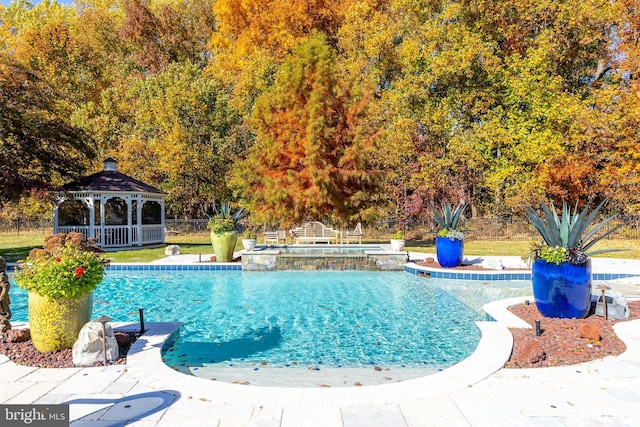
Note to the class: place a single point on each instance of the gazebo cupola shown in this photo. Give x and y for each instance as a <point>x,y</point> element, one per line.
<point>115,209</point>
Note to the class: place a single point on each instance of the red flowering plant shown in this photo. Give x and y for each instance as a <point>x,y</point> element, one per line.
<point>68,266</point>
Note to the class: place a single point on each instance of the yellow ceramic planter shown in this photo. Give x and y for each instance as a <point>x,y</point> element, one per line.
<point>223,245</point>
<point>55,323</point>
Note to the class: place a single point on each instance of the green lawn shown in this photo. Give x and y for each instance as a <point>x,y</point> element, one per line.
<point>476,247</point>
<point>189,244</point>
<point>630,248</point>
<point>14,248</point>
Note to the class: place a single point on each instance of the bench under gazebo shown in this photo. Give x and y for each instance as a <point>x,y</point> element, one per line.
<point>115,209</point>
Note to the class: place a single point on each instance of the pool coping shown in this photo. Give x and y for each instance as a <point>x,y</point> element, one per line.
<point>145,365</point>
<point>371,249</point>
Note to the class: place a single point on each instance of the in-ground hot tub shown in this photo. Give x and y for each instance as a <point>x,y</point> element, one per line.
<point>325,257</point>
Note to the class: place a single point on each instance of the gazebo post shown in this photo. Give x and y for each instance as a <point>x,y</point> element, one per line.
<point>139,218</point>
<point>162,218</point>
<point>55,218</point>
<point>129,201</point>
<point>103,204</point>
<point>92,217</point>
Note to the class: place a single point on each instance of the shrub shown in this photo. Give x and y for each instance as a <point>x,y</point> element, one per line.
<point>68,266</point>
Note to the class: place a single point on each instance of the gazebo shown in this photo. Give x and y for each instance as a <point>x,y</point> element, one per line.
<point>115,209</point>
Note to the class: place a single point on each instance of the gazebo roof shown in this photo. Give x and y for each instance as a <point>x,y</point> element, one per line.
<point>110,180</point>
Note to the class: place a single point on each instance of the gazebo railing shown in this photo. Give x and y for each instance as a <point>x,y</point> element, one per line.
<point>117,236</point>
<point>111,236</point>
<point>152,233</point>
<point>82,229</point>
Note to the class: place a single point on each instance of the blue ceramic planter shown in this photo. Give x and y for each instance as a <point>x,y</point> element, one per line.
<point>562,290</point>
<point>449,252</point>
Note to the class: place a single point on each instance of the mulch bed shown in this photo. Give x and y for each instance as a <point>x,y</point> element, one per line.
<point>560,338</point>
<point>24,353</point>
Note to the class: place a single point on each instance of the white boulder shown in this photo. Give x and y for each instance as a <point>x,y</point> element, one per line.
<point>492,264</point>
<point>88,348</point>
<point>172,250</point>
<point>617,307</point>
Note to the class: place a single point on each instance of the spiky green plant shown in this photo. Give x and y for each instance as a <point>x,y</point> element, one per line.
<point>224,221</point>
<point>569,231</point>
<point>448,221</point>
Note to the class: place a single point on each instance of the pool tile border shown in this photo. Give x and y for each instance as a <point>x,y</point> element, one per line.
<point>163,267</point>
<point>410,267</point>
<point>175,267</point>
<point>494,275</point>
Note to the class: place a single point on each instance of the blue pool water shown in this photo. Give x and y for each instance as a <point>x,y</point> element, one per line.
<point>331,250</point>
<point>322,250</point>
<point>340,319</point>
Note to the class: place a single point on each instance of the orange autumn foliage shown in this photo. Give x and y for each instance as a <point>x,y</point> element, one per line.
<point>309,160</point>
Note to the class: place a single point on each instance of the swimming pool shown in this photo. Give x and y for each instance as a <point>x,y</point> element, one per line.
<point>303,319</point>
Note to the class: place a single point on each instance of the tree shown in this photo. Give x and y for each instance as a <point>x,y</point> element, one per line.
<point>498,89</point>
<point>274,25</point>
<point>310,156</point>
<point>181,135</point>
<point>38,148</point>
<point>161,33</point>
<point>622,127</point>
<point>253,36</point>
<point>498,102</point>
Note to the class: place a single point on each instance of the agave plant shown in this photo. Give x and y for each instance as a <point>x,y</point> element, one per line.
<point>224,221</point>
<point>448,221</point>
<point>569,231</point>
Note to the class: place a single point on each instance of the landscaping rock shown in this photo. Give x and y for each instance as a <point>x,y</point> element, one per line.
<point>589,331</point>
<point>87,350</point>
<point>617,307</point>
<point>531,353</point>
<point>172,250</point>
<point>19,335</point>
<point>492,264</point>
<point>122,339</point>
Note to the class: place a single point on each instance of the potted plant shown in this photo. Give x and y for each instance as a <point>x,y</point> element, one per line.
<point>249,241</point>
<point>449,240</point>
<point>225,228</point>
<point>398,241</point>
<point>561,268</point>
<point>60,280</point>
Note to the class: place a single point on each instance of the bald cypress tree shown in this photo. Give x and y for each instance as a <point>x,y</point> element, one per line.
<point>310,155</point>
